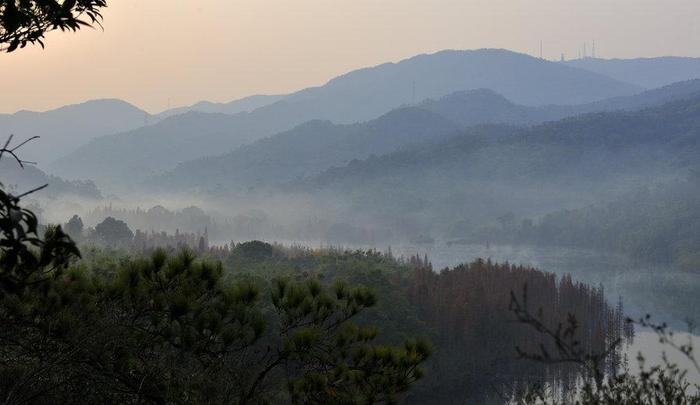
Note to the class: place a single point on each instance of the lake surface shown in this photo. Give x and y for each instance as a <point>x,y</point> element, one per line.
<point>653,351</point>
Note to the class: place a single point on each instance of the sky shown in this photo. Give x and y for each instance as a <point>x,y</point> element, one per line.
<point>160,53</point>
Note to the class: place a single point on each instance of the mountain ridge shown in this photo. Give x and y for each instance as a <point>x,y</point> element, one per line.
<point>65,128</point>
<point>645,72</point>
<point>317,143</point>
<point>346,101</point>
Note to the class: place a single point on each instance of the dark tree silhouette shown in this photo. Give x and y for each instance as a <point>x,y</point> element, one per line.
<point>468,307</point>
<point>24,257</point>
<point>114,232</point>
<point>172,330</point>
<point>74,227</point>
<point>24,22</point>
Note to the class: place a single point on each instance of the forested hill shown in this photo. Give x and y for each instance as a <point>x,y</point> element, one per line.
<point>245,104</point>
<point>655,223</point>
<point>646,72</point>
<point>310,148</point>
<point>596,144</point>
<point>680,90</point>
<point>361,95</point>
<point>129,156</point>
<point>486,172</point>
<point>64,129</point>
<point>366,93</point>
<point>24,179</point>
<point>307,150</point>
<point>483,106</point>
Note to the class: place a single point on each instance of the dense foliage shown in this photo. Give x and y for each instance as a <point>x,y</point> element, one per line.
<point>27,21</point>
<point>170,330</point>
<point>142,318</point>
<point>468,307</point>
<point>658,224</point>
<point>25,258</point>
<point>463,311</point>
<point>270,323</point>
<point>173,329</point>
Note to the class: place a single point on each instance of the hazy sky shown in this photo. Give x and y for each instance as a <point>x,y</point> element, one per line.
<point>154,50</point>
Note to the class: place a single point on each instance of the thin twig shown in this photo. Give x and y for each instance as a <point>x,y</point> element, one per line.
<point>34,190</point>
<point>22,144</point>
<point>11,151</point>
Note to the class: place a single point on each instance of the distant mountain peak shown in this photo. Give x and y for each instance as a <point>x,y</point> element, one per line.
<point>88,104</point>
<point>241,105</point>
<point>358,96</point>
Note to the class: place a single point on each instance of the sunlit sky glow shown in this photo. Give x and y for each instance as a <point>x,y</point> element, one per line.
<point>152,51</point>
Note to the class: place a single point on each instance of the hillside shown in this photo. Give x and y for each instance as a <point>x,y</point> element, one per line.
<point>554,148</point>
<point>21,180</point>
<point>668,93</point>
<point>357,96</point>
<point>658,224</point>
<point>644,72</point>
<point>245,104</point>
<point>366,93</point>
<point>64,129</point>
<point>318,145</point>
<point>129,156</point>
<point>307,150</point>
<point>481,175</point>
<point>379,89</point>
<point>486,106</point>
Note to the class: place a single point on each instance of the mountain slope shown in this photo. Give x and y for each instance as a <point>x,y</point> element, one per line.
<point>306,150</point>
<point>318,145</point>
<point>669,93</point>
<point>489,172</point>
<point>129,156</point>
<point>658,223</point>
<point>366,93</point>
<point>663,137</point>
<point>245,104</point>
<point>357,96</point>
<point>644,72</point>
<point>483,106</point>
<point>64,129</point>
<point>20,180</point>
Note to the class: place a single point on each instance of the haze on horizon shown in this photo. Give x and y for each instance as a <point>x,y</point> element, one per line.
<point>163,51</point>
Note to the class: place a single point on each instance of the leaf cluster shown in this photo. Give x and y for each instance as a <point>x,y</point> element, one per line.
<point>24,22</point>
<point>25,257</point>
<point>171,329</point>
